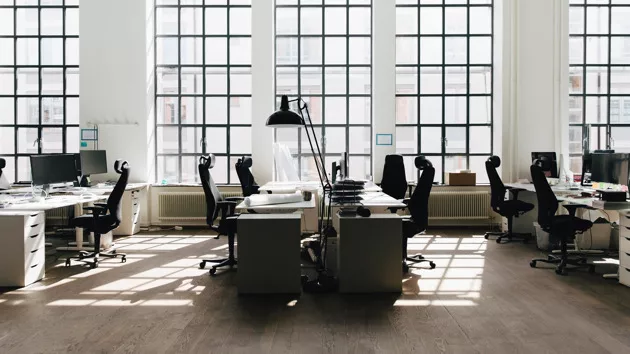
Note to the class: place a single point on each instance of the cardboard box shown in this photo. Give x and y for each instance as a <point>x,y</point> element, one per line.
<point>461,179</point>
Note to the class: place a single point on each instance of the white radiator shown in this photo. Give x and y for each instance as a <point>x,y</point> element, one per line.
<point>459,208</point>
<point>183,208</point>
<point>59,216</point>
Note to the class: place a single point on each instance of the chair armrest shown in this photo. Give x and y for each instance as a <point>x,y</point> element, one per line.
<point>233,199</point>
<point>102,205</point>
<point>96,210</point>
<point>227,207</point>
<point>514,191</point>
<point>572,208</point>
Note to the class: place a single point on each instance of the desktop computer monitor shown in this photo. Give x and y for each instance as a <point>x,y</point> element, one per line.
<point>610,168</point>
<point>49,169</point>
<point>343,165</point>
<point>550,156</point>
<point>92,162</point>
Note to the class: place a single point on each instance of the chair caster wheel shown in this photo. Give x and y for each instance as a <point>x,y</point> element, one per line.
<point>68,263</point>
<point>94,265</point>
<point>213,271</point>
<point>486,236</point>
<point>532,264</point>
<point>217,237</point>
<point>123,259</point>
<point>561,271</point>
<point>499,240</point>
<point>432,265</point>
<point>202,265</point>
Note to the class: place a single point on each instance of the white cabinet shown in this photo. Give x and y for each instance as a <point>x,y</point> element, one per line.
<point>624,247</point>
<point>22,251</point>
<point>130,224</point>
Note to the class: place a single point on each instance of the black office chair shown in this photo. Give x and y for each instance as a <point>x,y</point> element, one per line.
<point>561,228</point>
<point>248,184</point>
<point>104,217</point>
<point>418,206</point>
<point>215,203</point>
<point>394,182</point>
<point>508,208</point>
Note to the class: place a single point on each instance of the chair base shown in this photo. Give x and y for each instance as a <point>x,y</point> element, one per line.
<point>563,262</point>
<point>508,237</point>
<point>92,258</point>
<point>223,262</point>
<point>418,258</point>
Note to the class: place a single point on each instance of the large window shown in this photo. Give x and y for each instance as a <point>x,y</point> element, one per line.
<point>324,55</point>
<point>599,82</point>
<point>444,84</point>
<point>203,87</point>
<point>39,81</point>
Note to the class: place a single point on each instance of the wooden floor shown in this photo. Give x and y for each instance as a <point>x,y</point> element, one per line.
<point>481,298</point>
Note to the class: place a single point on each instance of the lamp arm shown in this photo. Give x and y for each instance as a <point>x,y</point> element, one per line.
<point>321,170</point>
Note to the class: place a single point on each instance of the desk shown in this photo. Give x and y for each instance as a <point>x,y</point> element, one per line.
<point>278,208</point>
<point>291,187</point>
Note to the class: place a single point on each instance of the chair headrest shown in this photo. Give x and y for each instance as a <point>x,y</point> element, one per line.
<point>121,165</point>
<point>495,160</point>
<point>422,162</point>
<point>246,162</point>
<point>393,159</point>
<point>543,162</point>
<point>208,161</point>
<point>3,163</point>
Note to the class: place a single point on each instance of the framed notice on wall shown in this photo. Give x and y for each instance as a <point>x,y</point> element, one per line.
<point>384,139</point>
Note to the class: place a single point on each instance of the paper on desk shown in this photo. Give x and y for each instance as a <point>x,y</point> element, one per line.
<point>271,199</point>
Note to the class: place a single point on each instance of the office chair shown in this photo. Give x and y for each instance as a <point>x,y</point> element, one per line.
<point>561,228</point>
<point>215,203</point>
<point>104,217</point>
<point>508,208</point>
<point>418,206</point>
<point>4,182</point>
<point>394,182</point>
<point>248,184</point>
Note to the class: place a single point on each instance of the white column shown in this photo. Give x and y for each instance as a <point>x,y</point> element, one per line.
<point>540,76</point>
<point>263,88</point>
<point>114,86</point>
<point>383,81</point>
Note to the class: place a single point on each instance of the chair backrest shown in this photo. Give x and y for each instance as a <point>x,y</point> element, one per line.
<point>3,164</point>
<point>497,189</point>
<point>394,182</point>
<point>419,202</point>
<point>210,190</point>
<point>114,200</point>
<point>547,202</point>
<point>248,184</point>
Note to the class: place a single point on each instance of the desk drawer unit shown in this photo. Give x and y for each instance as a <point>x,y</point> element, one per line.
<point>131,214</point>
<point>23,253</point>
<point>624,247</point>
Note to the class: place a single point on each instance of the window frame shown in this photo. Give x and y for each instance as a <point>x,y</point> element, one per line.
<point>304,152</point>
<point>443,155</point>
<point>179,96</point>
<point>41,97</point>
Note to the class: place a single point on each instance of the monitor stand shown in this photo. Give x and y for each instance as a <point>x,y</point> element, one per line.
<point>86,181</point>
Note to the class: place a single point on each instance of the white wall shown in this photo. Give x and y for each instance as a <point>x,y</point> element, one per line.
<point>114,86</point>
<point>540,96</point>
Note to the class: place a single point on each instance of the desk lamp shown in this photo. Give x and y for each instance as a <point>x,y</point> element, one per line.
<point>285,118</point>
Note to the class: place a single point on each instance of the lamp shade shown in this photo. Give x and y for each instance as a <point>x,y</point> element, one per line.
<point>285,118</point>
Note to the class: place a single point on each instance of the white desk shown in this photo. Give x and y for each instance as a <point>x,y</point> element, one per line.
<point>278,208</point>
<point>291,187</point>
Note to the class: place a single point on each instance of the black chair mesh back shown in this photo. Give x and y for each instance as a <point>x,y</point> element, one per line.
<point>419,202</point>
<point>497,189</point>
<point>547,202</point>
<point>245,176</point>
<point>114,200</point>
<point>209,188</point>
<point>394,182</point>
<point>3,164</point>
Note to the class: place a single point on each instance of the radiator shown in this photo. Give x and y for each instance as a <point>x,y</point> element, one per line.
<point>189,208</point>
<point>59,216</point>
<point>459,207</point>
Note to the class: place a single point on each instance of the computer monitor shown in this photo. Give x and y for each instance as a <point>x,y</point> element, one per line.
<point>610,168</point>
<point>587,162</point>
<point>550,156</point>
<point>49,169</point>
<point>92,162</point>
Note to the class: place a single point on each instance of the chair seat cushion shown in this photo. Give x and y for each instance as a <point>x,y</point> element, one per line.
<point>104,224</point>
<point>566,226</point>
<point>514,207</point>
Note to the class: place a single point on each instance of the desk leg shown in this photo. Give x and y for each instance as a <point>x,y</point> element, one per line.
<point>78,232</point>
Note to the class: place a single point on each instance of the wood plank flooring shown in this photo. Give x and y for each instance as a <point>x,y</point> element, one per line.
<point>481,298</point>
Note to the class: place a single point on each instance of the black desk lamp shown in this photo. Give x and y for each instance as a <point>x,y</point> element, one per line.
<point>285,118</point>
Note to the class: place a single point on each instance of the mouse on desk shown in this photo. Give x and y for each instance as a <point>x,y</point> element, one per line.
<point>586,194</point>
